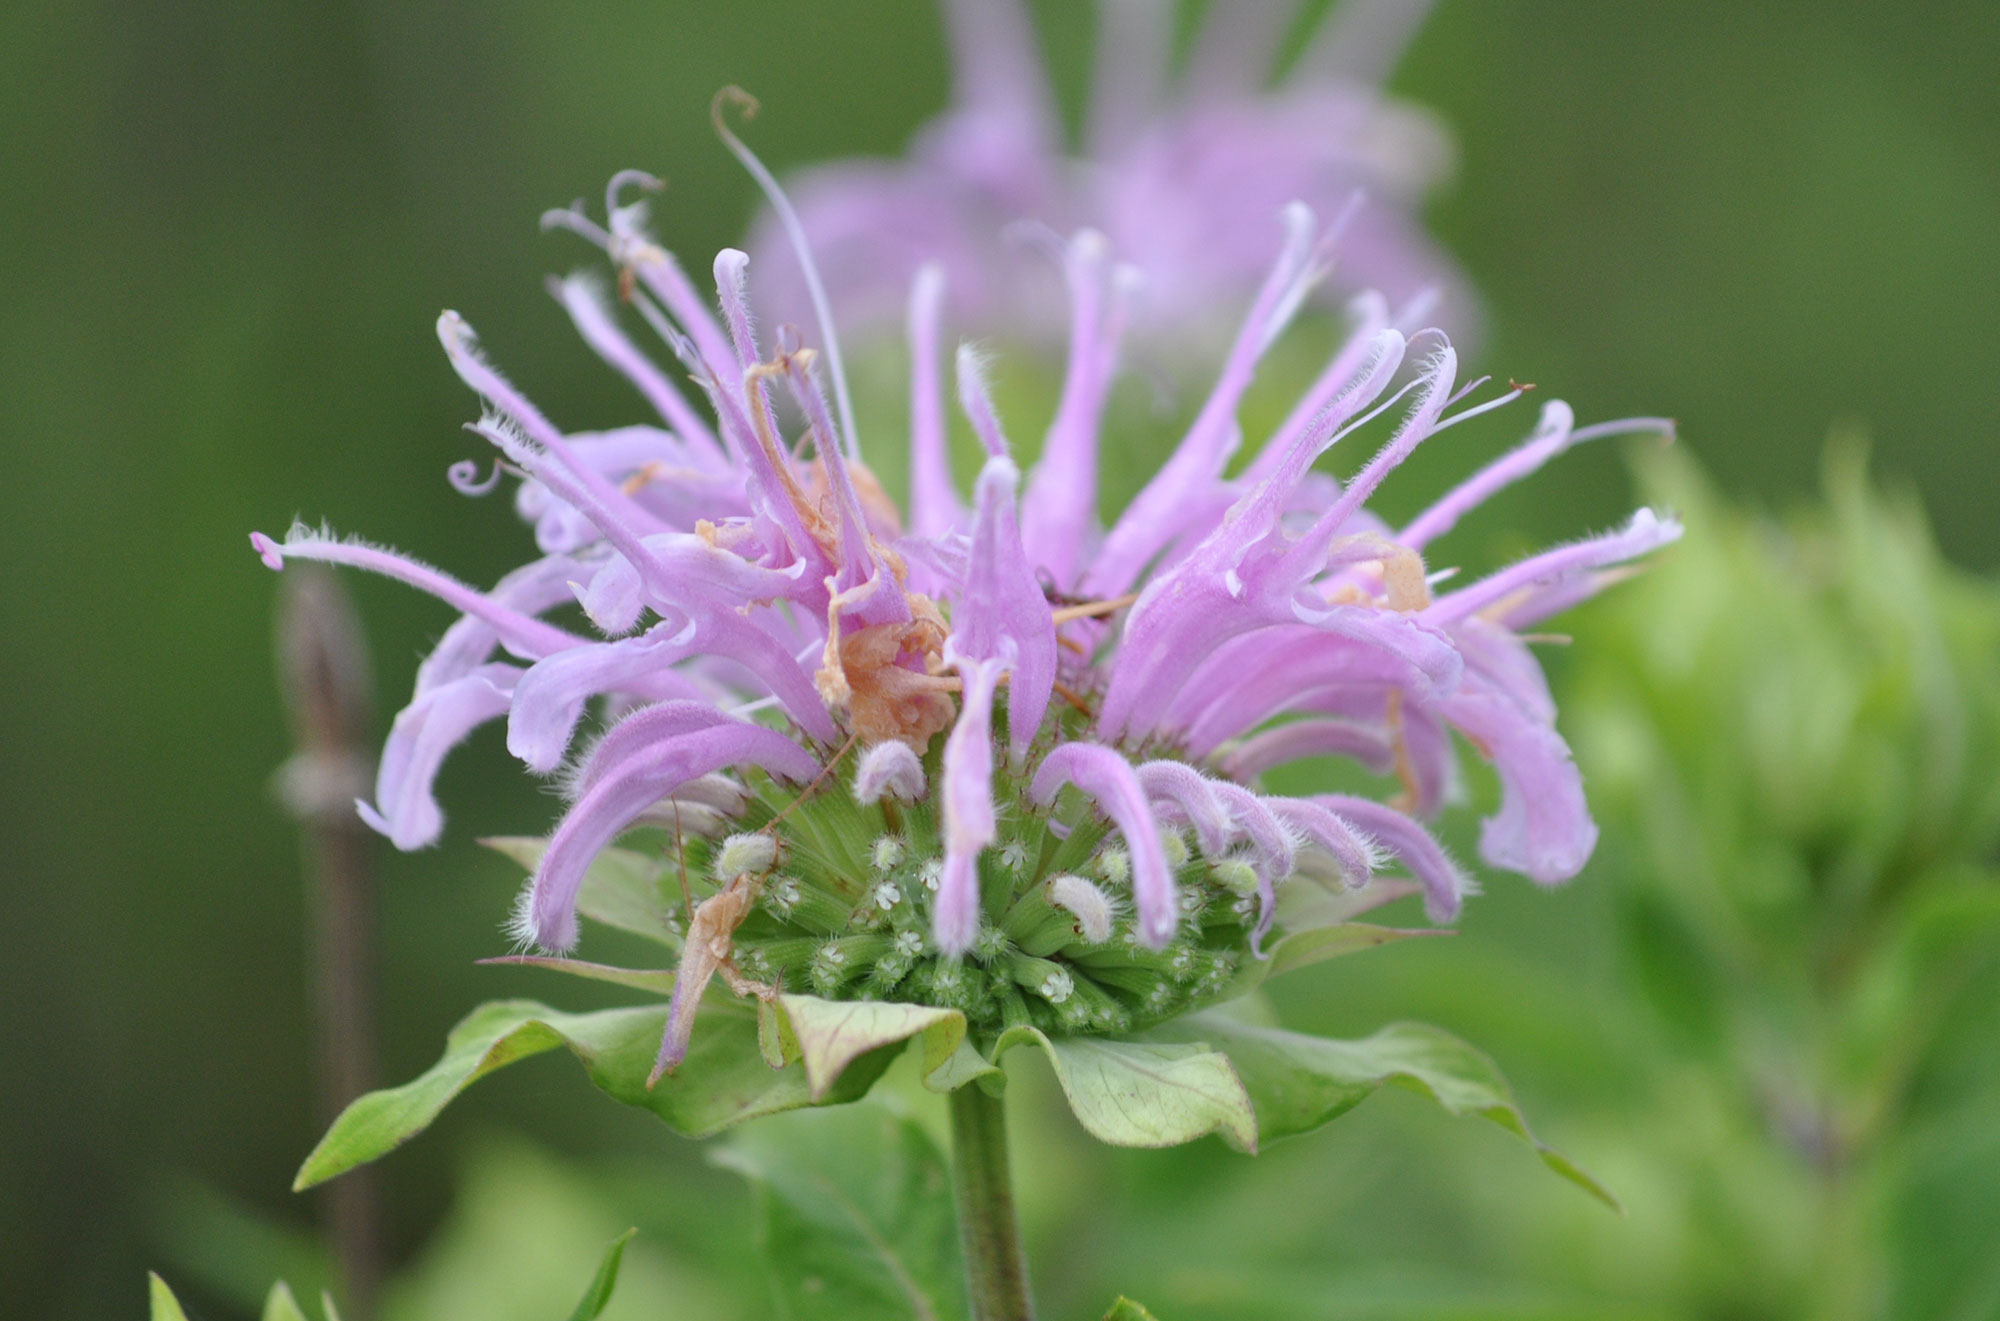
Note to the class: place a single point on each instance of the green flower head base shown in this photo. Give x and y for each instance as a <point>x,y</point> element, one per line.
<point>835,891</point>
<point>991,756</point>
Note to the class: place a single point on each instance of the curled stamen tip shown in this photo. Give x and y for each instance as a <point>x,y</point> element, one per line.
<point>464,478</point>
<point>728,96</point>
<point>267,550</point>
<point>562,217</point>
<point>643,180</point>
<point>1521,386</point>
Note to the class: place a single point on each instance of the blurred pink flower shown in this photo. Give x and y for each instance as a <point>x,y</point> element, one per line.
<point>1183,174</point>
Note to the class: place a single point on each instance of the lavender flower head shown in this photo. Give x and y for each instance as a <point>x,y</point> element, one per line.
<point>986,753</point>
<point>1182,172</point>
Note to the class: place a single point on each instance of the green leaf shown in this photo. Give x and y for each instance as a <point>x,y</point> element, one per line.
<point>1145,1093</point>
<point>598,1295</point>
<point>723,1081</point>
<point>965,1065</point>
<point>1127,1310</point>
<point>1300,949</point>
<point>621,888</point>
<point>855,1214</point>
<point>1316,944</point>
<point>659,981</point>
<point>1298,1083</point>
<point>831,1034</point>
<point>280,1305</point>
<point>165,1307</point>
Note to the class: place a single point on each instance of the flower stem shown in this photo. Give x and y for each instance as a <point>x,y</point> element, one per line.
<point>324,664</point>
<point>987,1225</point>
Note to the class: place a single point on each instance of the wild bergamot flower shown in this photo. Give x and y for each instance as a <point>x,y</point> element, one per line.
<point>987,755</point>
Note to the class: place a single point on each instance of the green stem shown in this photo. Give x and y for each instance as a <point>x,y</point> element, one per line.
<point>987,1225</point>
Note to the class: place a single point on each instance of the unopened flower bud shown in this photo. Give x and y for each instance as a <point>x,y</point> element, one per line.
<point>746,855</point>
<point>1236,876</point>
<point>889,770</point>
<point>1089,905</point>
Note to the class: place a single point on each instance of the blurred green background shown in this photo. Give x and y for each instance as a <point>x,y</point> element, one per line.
<point>225,230</point>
